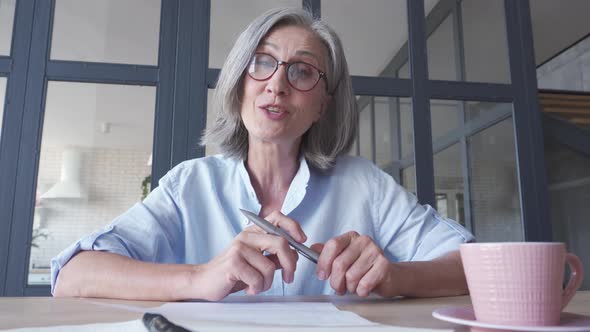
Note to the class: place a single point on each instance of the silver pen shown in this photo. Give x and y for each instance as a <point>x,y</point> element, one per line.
<point>272,229</point>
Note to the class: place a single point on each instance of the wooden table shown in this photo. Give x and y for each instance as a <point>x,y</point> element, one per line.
<point>47,311</point>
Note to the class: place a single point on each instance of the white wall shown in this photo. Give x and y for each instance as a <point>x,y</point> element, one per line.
<point>568,71</point>
<point>113,178</point>
<point>6,23</point>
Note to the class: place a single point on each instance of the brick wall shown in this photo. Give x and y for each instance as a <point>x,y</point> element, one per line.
<point>113,179</point>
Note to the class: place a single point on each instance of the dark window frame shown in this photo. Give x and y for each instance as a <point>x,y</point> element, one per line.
<point>178,103</point>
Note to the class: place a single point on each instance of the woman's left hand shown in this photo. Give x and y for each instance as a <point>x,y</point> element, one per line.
<point>355,263</point>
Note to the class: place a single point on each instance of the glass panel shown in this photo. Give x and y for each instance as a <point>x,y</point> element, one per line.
<point>406,137</point>
<point>355,149</point>
<point>229,18</point>
<point>106,31</point>
<point>95,150</point>
<point>386,136</point>
<point>210,150</point>
<point>373,33</point>
<point>406,121</point>
<point>448,183</point>
<point>481,20</point>
<point>366,121</point>
<point>6,23</point>
<point>409,179</point>
<point>568,179</point>
<point>446,118</point>
<point>404,71</point>
<point>441,46</point>
<point>495,197</point>
<point>492,179</point>
<point>485,41</point>
<point>2,100</point>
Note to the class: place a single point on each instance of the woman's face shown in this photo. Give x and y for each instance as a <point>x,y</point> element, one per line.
<point>272,110</point>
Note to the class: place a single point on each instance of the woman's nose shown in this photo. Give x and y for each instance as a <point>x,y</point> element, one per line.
<point>278,83</point>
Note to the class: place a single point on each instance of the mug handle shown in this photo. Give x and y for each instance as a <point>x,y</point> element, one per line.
<point>575,280</point>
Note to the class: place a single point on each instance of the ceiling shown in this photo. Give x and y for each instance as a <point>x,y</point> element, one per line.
<point>557,25</point>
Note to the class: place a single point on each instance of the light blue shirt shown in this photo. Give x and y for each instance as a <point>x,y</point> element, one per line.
<point>194,214</point>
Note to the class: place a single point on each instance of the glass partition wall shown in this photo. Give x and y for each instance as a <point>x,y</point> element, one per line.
<point>114,103</point>
<point>563,77</point>
<point>95,145</point>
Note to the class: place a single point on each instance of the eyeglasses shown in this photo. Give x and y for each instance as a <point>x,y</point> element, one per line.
<point>300,75</point>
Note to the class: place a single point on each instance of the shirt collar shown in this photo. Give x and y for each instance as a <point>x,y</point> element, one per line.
<point>297,189</point>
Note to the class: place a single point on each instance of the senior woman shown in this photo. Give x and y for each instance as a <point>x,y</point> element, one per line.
<point>286,117</point>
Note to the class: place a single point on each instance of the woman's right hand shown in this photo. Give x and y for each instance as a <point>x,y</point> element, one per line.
<point>243,264</point>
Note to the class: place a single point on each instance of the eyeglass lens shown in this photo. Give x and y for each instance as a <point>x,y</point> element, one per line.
<point>300,75</point>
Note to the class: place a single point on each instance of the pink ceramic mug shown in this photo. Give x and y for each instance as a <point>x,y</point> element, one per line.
<point>520,283</point>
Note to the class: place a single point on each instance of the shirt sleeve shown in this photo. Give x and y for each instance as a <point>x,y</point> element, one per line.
<point>150,231</point>
<point>410,231</point>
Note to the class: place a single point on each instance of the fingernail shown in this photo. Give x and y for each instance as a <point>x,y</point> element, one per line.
<point>322,275</point>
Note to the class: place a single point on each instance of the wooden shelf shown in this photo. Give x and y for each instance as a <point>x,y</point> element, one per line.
<point>574,108</point>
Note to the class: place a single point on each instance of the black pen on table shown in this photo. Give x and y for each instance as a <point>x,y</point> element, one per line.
<point>159,323</point>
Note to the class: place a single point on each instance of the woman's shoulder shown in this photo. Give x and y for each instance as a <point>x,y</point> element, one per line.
<point>212,161</point>
<point>362,169</point>
<point>214,165</point>
<point>347,163</point>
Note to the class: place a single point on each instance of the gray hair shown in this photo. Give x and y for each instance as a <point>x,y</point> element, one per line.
<point>332,135</point>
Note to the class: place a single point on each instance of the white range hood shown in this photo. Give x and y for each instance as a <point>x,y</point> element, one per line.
<point>70,185</point>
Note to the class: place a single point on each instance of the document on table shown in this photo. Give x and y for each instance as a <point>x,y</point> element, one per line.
<point>137,326</point>
<point>258,314</point>
<point>270,316</point>
<point>243,317</point>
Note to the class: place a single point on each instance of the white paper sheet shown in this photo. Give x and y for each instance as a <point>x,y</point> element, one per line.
<point>137,326</point>
<point>241,317</point>
<point>312,314</point>
<point>129,326</point>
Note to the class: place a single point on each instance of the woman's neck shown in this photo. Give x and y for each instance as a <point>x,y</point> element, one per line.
<point>271,169</point>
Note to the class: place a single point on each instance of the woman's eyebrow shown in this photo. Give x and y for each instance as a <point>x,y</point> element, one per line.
<point>267,43</point>
<point>300,52</point>
<point>308,53</point>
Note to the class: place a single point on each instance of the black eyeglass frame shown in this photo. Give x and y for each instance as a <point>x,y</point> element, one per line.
<point>287,66</point>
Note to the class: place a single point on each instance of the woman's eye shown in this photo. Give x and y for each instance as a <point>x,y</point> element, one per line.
<point>302,72</point>
<point>265,63</point>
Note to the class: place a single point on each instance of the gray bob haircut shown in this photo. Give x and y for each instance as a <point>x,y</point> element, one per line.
<point>332,135</point>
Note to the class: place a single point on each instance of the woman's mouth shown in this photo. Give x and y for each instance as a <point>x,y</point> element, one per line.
<point>274,112</point>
